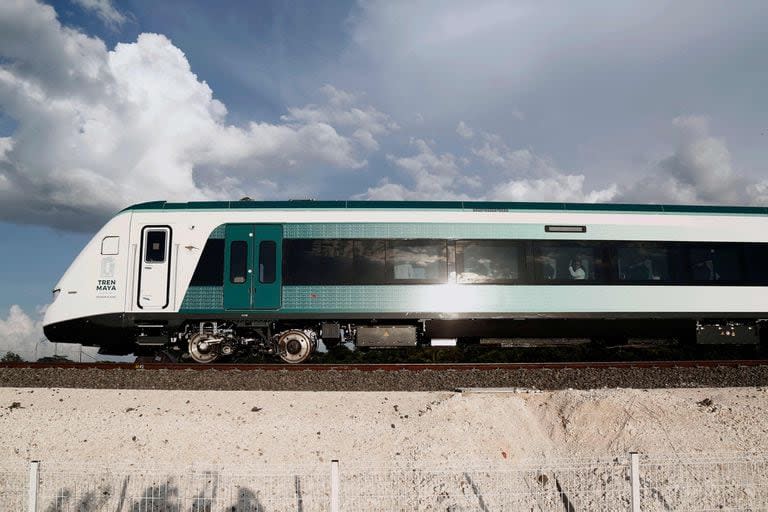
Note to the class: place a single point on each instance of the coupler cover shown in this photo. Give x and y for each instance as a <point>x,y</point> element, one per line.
<point>387,336</point>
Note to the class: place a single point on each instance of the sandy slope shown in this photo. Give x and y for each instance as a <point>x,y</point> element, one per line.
<point>376,428</point>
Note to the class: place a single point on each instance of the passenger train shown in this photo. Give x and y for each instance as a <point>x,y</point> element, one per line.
<point>206,280</point>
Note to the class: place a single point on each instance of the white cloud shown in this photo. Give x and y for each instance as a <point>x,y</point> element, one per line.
<point>527,176</point>
<point>341,111</point>
<point>561,188</point>
<point>464,131</point>
<point>758,193</point>
<point>100,129</point>
<point>700,170</point>
<point>104,10</point>
<point>524,177</point>
<point>702,161</point>
<point>432,176</point>
<point>19,333</point>
<point>22,334</point>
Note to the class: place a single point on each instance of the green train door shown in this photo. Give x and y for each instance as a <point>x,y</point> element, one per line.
<point>252,266</point>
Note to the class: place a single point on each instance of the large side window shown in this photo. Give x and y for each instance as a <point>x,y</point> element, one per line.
<point>210,267</point>
<point>370,261</point>
<point>488,261</point>
<point>238,262</point>
<point>715,263</point>
<point>155,250</point>
<point>297,262</point>
<point>756,259</point>
<point>568,262</point>
<point>318,261</point>
<point>424,261</point>
<point>646,262</point>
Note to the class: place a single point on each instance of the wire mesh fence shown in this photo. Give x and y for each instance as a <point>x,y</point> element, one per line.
<point>704,482</point>
<point>65,488</point>
<point>681,482</point>
<point>13,488</point>
<point>587,485</point>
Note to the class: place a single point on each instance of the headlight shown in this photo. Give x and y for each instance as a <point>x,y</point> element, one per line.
<point>56,293</point>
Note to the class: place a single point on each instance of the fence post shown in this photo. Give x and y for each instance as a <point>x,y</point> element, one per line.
<point>34,479</point>
<point>335,486</point>
<point>634,475</point>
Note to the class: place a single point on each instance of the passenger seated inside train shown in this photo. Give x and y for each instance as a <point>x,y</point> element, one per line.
<point>576,271</point>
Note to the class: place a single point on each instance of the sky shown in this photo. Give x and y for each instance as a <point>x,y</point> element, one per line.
<point>104,104</point>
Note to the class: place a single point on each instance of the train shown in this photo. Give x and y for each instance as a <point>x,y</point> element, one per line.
<point>203,281</point>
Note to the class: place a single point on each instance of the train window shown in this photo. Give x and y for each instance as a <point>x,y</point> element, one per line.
<point>370,259</point>
<point>318,261</point>
<point>643,263</point>
<point>297,261</point>
<point>756,258</point>
<point>238,262</point>
<point>110,245</point>
<point>210,268</point>
<point>715,263</point>
<point>488,261</point>
<point>154,252</point>
<point>417,261</point>
<point>567,262</point>
<point>267,259</point>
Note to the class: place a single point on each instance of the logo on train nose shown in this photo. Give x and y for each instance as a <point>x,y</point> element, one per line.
<point>106,285</point>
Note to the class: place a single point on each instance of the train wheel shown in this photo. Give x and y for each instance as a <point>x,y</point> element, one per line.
<point>201,350</point>
<point>294,346</point>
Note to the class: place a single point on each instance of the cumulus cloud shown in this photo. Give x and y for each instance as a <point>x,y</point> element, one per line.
<point>104,10</point>
<point>464,131</point>
<point>500,174</point>
<point>567,188</point>
<point>758,192</point>
<point>99,129</point>
<point>431,176</point>
<point>700,170</point>
<point>19,333</point>
<point>341,111</point>
<point>22,334</point>
<point>527,176</point>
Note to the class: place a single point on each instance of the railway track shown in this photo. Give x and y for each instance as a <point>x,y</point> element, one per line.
<point>387,377</point>
<point>393,367</point>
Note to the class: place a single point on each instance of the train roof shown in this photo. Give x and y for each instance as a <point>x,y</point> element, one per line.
<point>478,206</point>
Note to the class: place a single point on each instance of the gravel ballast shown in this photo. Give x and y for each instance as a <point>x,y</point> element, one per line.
<point>380,380</point>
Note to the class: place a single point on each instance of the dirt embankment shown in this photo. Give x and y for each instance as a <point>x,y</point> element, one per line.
<point>85,426</point>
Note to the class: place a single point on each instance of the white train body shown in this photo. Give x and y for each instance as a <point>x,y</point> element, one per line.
<point>132,282</point>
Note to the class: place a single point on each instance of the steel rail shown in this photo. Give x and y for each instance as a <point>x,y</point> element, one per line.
<point>390,366</point>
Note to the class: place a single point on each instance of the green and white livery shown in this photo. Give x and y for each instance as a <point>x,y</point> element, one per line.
<point>211,279</point>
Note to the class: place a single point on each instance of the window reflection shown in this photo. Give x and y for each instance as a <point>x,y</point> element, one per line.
<point>643,264</point>
<point>370,262</point>
<point>565,263</point>
<point>488,261</point>
<point>417,260</point>
<point>715,264</point>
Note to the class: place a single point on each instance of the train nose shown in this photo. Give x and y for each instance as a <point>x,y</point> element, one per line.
<point>67,331</point>
<point>53,333</point>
